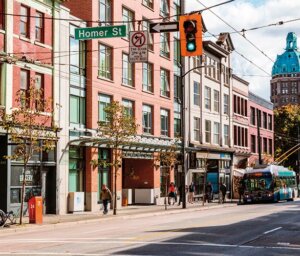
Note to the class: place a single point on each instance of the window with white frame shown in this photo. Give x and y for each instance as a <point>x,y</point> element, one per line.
<point>148,3</point>
<point>164,83</point>
<point>128,107</point>
<point>207,131</point>
<point>216,101</point>
<point>226,135</point>
<point>164,8</point>
<point>24,21</point>
<point>105,12</point>
<point>284,88</point>
<point>216,133</point>
<point>164,122</point>
<point>294,88</point>
<point>39,27</point>
<point>165,45</point>
<point>147,119</point>
<point>207,98</point>
<point>147,77</point>
<point>105,62</point>
<point>177,124</point>
<point>103,101</point>
<point>196,93</point>
<point>196,128</point>
<point>128,18</point>
<point>146,27</point>
<point>127,71</point>
<point>226,104</point>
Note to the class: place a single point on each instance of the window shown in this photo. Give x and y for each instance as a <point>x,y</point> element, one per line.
<point>265,145</point>
<point>177,125</point>
<point>148,3</point>
<point>105,62</point>
<point>294,88</point>
<point>128,107</point>
<point>77,109</point>
<point>24,21</point>
<point>207,131</point>
<point>103,101</point>
<point>2,17</point>
<point>235,135</point>
<point>253,143</point>
<point>105,12</point>
<point>258,113</point>
<point>164,122</point>
<point>270,147</point>
<point>177,88</point>
<point>148,77</point>
<point>177,55</point>
<point>127,73</point>
<point>216,133</point>
<point>196,128</point>
<point>207,98</point>
<point>165,45</point>
<point>196,93</point>
<point>39,27</point>
<point>146,27</point>
<point>39,85</point>
<point>24,86</point>
<point>147,119</point>
<point>164,8</point>
<point>284,88</point>
<point>128,18</point>
<point>252,115</point>
<point>265,120</point>
<point>216,101</point>
<point>164,83</point>
<point>294,100</point>
<point>177,9</point>
<point>226,134</point>
<point>226,106</point>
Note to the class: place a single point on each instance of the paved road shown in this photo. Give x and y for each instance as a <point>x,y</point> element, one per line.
<point>264,229</point>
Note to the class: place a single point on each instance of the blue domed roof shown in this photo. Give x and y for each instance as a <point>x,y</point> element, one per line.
<point>289,61</point>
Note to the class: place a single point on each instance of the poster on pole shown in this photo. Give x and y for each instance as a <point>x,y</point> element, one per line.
<point>138,46</point>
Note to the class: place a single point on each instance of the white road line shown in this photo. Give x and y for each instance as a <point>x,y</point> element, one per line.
<point>272,230</point>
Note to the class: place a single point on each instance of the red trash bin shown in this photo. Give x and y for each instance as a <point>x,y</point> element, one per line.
<point>35,206</point>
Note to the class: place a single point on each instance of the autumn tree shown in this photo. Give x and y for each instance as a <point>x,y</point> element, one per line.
<point>118,130</point>
<point>167,160</point>
<point>29,125</point>
<point>286,129</point>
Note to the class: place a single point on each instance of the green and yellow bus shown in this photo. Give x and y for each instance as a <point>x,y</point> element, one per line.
<point>270,184</point>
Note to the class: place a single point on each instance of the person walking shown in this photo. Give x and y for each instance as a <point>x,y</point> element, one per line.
<point>180,191</point>
<point>241,190</point>
<point>208,192</point>
<point>191,193</point>
<point>172,193</point>
<point>223,191</point>
<point>105,197</point>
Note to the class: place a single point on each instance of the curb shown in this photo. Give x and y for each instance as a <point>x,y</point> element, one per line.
<point>33,227</point>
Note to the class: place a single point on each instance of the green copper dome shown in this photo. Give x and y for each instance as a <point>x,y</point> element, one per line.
<point>289,61</point>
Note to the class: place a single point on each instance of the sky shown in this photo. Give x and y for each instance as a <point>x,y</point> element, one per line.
<point>271,40</point>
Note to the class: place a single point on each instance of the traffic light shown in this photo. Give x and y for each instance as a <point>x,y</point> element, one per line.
<point>190,27</point>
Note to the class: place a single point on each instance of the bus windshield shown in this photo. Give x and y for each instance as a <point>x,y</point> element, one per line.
<point>257,183</point>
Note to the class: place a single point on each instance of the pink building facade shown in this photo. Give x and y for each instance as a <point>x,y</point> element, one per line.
<point>260,113</point>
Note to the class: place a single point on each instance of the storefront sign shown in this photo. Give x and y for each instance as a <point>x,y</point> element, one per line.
<point>139,155</point>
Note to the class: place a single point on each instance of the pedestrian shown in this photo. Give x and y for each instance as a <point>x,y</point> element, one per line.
<point>180,191</point>
<point>105,196</point>
<point>241,190</point>
<point>209,192</point>
<point>191,193</point>
<point>223,191</point>
<point>172,193</point>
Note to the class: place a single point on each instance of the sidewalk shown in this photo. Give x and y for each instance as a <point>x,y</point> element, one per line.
<point>129,212</point>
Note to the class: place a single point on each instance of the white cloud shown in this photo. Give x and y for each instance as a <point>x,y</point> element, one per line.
<point>245,14</point>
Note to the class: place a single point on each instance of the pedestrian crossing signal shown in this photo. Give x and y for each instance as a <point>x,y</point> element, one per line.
<point>190,27</point>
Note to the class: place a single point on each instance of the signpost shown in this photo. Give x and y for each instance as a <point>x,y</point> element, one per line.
<point>100,32</point>
<point>138,46</point>
<point>164,27</point>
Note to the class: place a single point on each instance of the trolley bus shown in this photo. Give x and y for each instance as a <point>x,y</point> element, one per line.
<point>270,184</point>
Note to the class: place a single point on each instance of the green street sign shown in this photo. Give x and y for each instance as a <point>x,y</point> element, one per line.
<point>100,32</point>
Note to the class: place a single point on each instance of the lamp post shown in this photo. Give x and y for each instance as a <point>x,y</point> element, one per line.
<point>183,130</point>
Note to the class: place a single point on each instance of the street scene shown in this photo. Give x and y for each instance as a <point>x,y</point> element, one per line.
<point>149,127</point>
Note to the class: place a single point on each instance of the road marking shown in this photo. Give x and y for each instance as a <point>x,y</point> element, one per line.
<point>272,230</point>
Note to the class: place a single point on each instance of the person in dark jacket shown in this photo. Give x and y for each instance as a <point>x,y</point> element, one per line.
<point>209,192</point>
<point>105,196</point>
<point>223,191</point>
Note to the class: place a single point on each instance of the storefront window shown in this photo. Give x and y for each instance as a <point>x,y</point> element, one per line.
<point>76,167</point>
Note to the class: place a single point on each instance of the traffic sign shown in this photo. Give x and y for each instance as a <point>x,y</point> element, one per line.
<point>164,27</point>
<point>138,46</point>
<point>100,32</point>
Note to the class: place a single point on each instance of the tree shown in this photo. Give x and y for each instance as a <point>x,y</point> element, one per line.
<point>167,160</point>
<point>286,129</point>
<point>30,128</point>
<point>119,129</point>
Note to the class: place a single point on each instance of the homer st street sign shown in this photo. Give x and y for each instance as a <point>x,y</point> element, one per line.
<point>100,32</point>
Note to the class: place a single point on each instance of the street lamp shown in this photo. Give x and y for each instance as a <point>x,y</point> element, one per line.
<point>183,130</point>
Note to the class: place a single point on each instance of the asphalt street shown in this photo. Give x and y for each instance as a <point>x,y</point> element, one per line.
<point>261,229</point>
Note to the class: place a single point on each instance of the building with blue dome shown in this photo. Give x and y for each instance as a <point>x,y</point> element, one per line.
<point>285,83</point>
